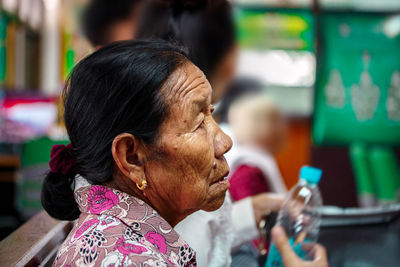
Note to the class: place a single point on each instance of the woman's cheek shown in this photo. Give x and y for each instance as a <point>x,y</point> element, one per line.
<point>198,151</point>
<point>193,195</point>
<point>197,160</point>
<point>187,162</point>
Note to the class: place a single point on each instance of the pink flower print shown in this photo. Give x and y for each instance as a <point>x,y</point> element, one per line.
<point>100,199</point>
<point>85,227</point>
<point>106,222</point>
<point>127,248</point>
<point>157,240</point>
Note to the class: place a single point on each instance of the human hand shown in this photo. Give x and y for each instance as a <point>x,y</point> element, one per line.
<point>265,203</point>
<point>289,257</point>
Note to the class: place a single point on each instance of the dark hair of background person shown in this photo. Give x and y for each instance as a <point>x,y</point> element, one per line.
<point>237,89</point>
<point>205,27</point>
<point>100,15</point>
<point>112,91</point>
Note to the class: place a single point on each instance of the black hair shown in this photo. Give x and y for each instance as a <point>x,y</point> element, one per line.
<point>205,27</point>
<point>99,15</point>
<point>115,90</point>
<point>237,89</point>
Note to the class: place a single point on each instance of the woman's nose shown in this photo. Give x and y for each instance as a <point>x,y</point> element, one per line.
<point>223,143</point>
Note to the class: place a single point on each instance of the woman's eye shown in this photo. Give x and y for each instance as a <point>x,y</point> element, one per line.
<point>201,125</point>
<point>212,108</point>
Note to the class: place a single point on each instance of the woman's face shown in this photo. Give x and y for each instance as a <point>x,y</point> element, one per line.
<point>188,169</point>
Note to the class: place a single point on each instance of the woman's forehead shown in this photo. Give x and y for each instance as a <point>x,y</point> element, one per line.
<point>188,83</point>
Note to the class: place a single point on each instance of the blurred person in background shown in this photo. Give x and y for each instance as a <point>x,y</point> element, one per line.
<point>238,88</point>
<point>260,132</point>
<point>206,29</point>
<point>106,21</point>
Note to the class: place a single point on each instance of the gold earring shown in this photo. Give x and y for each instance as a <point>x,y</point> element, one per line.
<point>143,186</point>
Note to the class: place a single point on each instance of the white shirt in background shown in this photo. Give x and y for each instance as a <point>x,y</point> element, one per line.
<point>213,235</point>
<point>254,156</point>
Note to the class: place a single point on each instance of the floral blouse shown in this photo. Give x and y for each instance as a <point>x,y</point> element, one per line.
<point>116,229</point>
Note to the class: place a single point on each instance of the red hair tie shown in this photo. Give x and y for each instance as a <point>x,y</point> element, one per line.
<point>61,159</point>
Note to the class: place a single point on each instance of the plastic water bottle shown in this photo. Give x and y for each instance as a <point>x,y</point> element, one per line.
<point>300,216</point>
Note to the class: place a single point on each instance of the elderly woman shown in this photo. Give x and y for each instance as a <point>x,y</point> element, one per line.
<point>138,114</point>
<point>207,29</point>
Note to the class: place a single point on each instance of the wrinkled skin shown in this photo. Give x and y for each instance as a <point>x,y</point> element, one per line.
<point>191,143</point>
<point>185,168</point>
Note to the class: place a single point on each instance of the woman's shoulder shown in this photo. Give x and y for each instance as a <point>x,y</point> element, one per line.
<point>104,240</point>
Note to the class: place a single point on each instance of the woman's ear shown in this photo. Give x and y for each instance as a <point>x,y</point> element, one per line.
<point>129,157</point>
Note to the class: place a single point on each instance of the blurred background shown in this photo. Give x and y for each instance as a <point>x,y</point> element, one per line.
<point>331,66</point>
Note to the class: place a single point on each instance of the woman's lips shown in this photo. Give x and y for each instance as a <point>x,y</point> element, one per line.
<point>222,184</point>
<point>223,178</point>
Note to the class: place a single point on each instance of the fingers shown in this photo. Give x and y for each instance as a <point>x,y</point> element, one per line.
<point>290,258</point>
<point>308,247</point>
<point>271,201</point>
<point>320,254</point>
<point>282,244</point>
<point>276,198</point>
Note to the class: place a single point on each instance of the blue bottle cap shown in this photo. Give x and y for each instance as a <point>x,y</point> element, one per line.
<point>310,174</point>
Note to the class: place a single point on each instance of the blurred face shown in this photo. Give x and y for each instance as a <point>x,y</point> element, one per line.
<point>255,120</point>
<point>223,74</point>
<point>189,168</point>
<point>274,136</point>
<point>126,29</point>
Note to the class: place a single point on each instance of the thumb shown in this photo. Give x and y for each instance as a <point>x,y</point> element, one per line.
<point>282,244</point>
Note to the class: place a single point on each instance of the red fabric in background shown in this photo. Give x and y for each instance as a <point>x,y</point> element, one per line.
<point>247,181</point>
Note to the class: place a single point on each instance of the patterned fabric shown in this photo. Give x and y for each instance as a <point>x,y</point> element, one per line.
<point>116,229</point>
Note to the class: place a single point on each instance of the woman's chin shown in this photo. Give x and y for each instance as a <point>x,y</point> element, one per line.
<point>216,195</point>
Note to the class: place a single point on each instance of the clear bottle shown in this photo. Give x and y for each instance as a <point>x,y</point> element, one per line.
<point>300,216</point>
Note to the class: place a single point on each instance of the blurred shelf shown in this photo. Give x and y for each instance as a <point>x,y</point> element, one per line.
<point>12,16</point>
<point>27,13</point>
<point>373,6</point>
<point>22,92</point>
<point>370,6</point>
<point>9,161</point>
<point>274,4</point>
